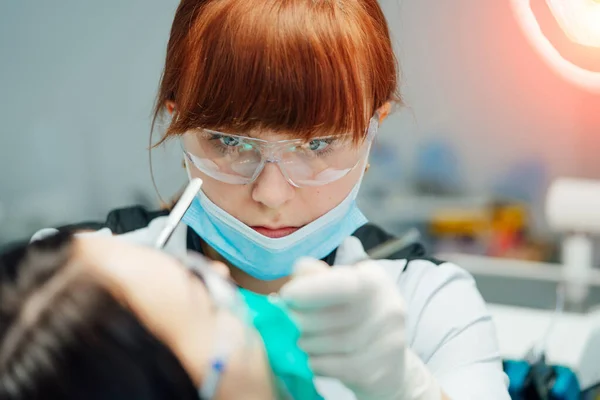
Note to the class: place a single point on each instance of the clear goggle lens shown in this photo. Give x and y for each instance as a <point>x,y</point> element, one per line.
<point>240,159</point>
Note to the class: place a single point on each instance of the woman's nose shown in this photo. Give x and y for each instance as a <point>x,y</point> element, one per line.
<point>271,188</point>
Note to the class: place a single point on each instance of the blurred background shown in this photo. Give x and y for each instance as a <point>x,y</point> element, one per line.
<point>487,126</point>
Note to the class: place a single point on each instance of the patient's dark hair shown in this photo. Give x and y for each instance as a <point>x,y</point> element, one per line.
<point>63,336</point>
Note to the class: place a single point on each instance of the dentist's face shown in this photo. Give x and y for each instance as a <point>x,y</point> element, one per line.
<point>271,205</point>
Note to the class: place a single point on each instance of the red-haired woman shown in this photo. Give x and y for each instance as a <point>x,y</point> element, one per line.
<point>276,104</point>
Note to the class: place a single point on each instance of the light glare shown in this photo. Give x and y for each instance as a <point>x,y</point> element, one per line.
<point>579,19</point>
<point>584,78</point>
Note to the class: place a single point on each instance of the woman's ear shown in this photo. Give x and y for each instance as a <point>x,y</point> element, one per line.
<point>384,111</point>
<point>170,105</point>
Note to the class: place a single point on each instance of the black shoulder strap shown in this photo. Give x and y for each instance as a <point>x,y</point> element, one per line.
<point>129,219</point>
<point>371,236</point>
<point>121,220</point>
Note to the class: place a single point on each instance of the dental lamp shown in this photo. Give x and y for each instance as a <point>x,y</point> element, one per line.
<point>580,21</point>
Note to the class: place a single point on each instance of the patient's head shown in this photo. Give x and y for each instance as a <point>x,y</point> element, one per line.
<point>96,318</point>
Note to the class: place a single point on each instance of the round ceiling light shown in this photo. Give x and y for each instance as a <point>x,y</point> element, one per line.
<point>580,21</point>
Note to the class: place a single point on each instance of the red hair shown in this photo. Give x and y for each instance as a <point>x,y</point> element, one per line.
<point>297,67</point>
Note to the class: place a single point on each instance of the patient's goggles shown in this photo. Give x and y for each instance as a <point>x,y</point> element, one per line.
<point>240,159</point>
<point>292,377</point>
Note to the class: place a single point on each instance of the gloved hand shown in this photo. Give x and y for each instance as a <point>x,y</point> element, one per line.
<point>352,323</point>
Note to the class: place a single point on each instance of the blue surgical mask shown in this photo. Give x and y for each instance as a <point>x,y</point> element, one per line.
<point>266,258</point>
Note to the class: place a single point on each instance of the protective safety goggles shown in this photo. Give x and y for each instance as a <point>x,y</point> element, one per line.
<point>239,159</point>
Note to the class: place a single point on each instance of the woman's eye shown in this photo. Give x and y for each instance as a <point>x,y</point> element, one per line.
<point>229,141</point>
<point>318,144</point>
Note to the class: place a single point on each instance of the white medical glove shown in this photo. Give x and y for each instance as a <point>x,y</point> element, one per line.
<point>352,323</point>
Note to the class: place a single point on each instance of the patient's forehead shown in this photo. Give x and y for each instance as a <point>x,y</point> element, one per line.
<point>177,309</point>
<point>163,295</point>
<point>133,270</point>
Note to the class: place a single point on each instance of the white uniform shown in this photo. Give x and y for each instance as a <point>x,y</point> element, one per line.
<point>447,325</point>
<point>450,329</point>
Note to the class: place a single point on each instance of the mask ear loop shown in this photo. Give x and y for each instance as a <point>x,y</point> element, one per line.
<point>218,360</point>
<point>223,348</point>
<point>224,297</point>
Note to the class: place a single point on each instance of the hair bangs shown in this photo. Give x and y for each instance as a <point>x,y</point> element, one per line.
<point>302,68</point>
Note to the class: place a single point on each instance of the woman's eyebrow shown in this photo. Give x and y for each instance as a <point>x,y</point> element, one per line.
<point>192,271</point>
<point>196,274</point>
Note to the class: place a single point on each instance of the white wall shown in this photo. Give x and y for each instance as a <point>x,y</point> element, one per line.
<point>470,77</point>
<point>77,82</point>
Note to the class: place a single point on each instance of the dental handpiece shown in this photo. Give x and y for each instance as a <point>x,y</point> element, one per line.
<point>392,246</point>
<point>176,215</point>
